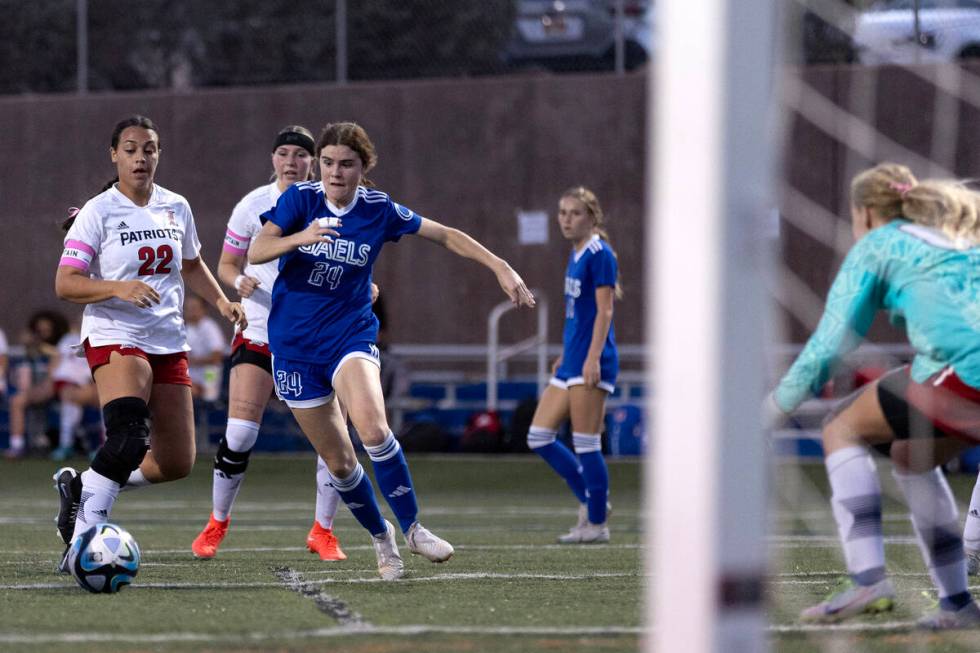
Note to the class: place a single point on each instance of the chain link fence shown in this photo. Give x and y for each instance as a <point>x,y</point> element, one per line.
<point>156,44</point>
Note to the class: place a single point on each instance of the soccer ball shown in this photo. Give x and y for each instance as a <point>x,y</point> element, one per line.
<point>104,558</point>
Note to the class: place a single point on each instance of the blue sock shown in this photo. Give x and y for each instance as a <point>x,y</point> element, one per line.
<point>543,442</point>
<point>358,493</point>
<point>394,480</point>
<point>588,446</point>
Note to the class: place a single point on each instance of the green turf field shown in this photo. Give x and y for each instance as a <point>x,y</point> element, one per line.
<point>508,588</point>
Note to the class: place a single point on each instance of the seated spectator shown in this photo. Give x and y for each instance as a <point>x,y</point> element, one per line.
<point>74,389</point>
<point>32,382</point>
<point>208,348</point>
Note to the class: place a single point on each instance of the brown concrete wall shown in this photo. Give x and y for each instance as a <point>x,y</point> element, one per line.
<point>467,153</point>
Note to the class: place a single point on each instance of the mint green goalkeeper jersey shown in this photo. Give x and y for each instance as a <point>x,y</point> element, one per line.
<point>929,288</point>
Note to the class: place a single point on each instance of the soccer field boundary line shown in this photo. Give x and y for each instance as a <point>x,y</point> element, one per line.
<point>409,630</point>
<point>369,547</point>
<point>330,605</point>
<point>856,628</point>
<point>337,631</point>
<point>408,578</point>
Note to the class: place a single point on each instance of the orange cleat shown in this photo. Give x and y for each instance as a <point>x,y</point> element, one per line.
<point>206,544</point>
<point>322,541</point>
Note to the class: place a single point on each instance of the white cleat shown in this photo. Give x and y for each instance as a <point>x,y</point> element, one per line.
<point>594,534</point>
<point>390,564</point>
<point>585,533</point>
<point>573,535</point>
<point>421,541</point>
<point>966,617</point>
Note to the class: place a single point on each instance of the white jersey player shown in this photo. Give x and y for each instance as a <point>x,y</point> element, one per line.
<point>126,258</point>
<point>250,385</point>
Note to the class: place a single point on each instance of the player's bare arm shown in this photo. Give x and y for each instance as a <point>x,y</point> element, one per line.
<point>74,285</point>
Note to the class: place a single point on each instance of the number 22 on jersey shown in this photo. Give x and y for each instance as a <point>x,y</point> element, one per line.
<point>155,261</point>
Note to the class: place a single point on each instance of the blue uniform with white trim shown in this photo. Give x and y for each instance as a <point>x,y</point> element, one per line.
<point>591,267</point>
<point>321,302</point>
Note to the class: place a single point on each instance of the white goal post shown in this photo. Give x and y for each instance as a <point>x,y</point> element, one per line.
<point>710,163</point>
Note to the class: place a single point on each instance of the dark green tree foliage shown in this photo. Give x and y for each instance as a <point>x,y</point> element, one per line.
<point>185,43</point>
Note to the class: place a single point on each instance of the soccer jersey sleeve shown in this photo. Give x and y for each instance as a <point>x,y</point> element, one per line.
<point>84,239</point>
<point>289,213</point>
<point>400,220</point>
<point>238,234</point>
<point>854,298</point>
<point>603,268</point>
<point>191,245</point>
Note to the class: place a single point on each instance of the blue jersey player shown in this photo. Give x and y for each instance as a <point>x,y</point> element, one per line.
<point>917,257</point>
<point>586,372</point>
<point>322,331</point>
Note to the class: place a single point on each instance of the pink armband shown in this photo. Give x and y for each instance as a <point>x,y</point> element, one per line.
<point>77,255</point>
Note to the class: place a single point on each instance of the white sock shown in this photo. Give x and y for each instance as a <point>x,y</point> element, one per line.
<point>98,496</point>
<point>240,436</point>
<point>136,480</point>
<point>17,442</point>
<point>971,533</point>
<point>68,420</point>
<point>326,496</point>
<point>856,504</point>
<point>937,528</point>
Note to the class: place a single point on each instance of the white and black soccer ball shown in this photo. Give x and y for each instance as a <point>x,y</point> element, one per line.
<point>104,558</point>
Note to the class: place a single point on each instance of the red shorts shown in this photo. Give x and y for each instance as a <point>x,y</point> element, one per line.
<point>251,345</point>
<point>943,402</point>
<point>256,353</point>
<point>170,369</point>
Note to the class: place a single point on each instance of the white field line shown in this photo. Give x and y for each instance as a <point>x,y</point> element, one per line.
<point>369,547</point>
<point>420,630</point>
<point>338,581</point>
<point>342,631</point>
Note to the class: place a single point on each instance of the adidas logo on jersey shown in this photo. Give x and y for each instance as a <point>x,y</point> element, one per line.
<point>122,225</point>
<point>399,491</point>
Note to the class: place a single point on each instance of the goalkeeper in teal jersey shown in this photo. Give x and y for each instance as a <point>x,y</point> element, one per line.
<point>917,256</point>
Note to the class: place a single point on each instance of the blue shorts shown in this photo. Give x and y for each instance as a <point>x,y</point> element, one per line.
<point>565,377</point>
<point>308,385</point>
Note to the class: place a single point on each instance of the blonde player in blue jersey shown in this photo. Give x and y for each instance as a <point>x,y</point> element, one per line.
<point>585,374</point>
<point>322,331</point>
<point>916,257</point>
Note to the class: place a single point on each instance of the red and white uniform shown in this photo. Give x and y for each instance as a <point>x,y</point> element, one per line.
<point>114,239</point>
<point>243,226</point>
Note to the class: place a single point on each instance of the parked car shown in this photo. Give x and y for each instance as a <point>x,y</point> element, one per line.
<point>948,30</point>
<point>563,35</point>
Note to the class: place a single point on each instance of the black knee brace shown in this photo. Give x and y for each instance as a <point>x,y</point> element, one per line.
<point>127,431</point>
<point>228,462</point>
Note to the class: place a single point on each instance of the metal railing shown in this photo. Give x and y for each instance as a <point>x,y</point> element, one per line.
<point>497,357</point>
